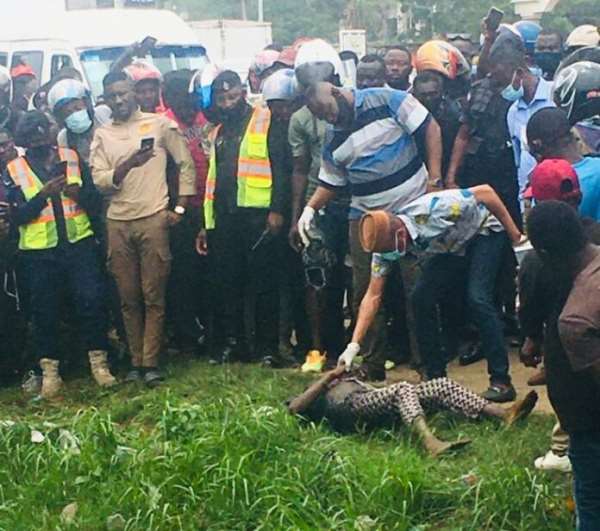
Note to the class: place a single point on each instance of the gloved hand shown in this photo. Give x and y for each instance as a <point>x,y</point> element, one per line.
<point>346,358</point>
<point>304,223</point>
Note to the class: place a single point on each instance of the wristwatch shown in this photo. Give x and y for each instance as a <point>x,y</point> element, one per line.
<point>179,210</point>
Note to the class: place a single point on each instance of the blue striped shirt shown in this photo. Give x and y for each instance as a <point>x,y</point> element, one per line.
<point>378,156</point>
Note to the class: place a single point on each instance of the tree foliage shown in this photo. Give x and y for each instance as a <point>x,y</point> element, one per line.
<point>569,14</point>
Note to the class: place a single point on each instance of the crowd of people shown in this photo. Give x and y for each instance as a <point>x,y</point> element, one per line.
<point>328,206</point>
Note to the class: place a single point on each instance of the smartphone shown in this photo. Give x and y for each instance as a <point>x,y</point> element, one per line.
<point>59,170</point>
<point>147,144</point>
<point>494,18</point>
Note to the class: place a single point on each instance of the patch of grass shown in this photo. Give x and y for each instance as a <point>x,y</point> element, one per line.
<point>215,449</point>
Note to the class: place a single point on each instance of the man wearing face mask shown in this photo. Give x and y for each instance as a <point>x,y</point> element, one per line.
<point>68,101</point>
<point>244,208</point>
<point>398,65</point>
<point>528,92</point>
<point>439,225</point>
<point>52,198</point>
<point>388,157</point>
<point>548,52</point>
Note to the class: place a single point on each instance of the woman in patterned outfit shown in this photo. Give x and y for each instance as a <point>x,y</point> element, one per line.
<point>346,401</point>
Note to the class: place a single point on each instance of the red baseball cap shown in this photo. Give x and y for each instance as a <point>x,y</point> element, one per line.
<point>553,179</point>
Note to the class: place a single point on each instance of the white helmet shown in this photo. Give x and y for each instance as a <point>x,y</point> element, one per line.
<point>316,61</point>
<point>586,35</point>
<point>280,85</point>
<point>5,81</point>
<point>65,91</point>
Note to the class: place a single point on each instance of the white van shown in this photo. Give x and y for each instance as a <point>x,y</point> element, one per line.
<point>91,39</point>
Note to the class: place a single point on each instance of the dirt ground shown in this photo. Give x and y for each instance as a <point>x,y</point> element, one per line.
<point>475,377</point>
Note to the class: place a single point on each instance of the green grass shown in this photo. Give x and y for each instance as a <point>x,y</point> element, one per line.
<point>216,450</point>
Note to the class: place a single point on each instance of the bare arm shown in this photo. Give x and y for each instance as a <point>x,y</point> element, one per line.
<point>299,184</point>
<point>301,403</point>
<point>458,155</point>
<point>433,145</point>
<point>486,195</point>
<point>321,197</point>
<point>369,307</point>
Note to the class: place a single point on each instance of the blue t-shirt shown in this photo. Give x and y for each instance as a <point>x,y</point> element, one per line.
<point>588,172</point>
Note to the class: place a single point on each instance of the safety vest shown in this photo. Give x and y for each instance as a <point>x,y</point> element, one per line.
<point>254,178</point>
<point>41,233</point>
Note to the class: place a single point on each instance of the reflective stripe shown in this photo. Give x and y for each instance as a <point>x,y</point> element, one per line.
<point>255,179</point>
<point>42,233</point>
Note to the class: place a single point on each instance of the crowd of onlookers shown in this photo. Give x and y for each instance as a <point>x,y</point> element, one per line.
<point>328,206</point>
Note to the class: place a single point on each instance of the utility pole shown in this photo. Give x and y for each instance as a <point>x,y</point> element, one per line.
<point>261,10</point>
<point>244,11</point>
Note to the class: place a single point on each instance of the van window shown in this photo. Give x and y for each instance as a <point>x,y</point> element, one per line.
<point>3,59</point>
<point>58,62</point>
<point>32,58</point>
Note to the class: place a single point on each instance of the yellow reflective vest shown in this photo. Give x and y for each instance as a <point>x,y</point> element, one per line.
<point>42,233</point>
<point>254,178</point>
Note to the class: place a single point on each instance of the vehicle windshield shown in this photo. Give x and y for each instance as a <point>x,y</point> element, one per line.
<point>96,63</point>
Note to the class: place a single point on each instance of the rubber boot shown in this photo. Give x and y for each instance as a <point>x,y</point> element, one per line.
<point>51,381</point>
<point>100,370</point>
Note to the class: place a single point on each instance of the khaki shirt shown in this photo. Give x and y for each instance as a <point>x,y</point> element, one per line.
<point>144,190</point>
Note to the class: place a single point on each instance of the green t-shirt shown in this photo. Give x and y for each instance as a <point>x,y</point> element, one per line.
<point>306,136</point>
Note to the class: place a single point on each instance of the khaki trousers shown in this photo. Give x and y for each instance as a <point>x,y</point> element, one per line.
<point>140,260</point>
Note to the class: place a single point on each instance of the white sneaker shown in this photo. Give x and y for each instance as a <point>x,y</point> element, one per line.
<point>551,461</point>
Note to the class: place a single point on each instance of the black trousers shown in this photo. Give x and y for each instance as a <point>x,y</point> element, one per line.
<point>244,265</point>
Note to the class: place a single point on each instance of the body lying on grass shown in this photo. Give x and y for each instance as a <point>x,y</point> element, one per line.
<point>345,402</point>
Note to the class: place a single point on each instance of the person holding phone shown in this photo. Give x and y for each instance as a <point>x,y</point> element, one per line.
<point>129,161</point>
<point>52,199</point>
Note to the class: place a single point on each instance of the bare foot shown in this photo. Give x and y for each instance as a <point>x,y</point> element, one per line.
<point>443,447</point>
<point>521,409</point>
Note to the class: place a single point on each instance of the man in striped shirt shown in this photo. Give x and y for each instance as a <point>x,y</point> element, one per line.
<point>381,146</point>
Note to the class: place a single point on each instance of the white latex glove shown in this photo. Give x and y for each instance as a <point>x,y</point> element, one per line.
<point>304,223</point>
<point>346,358</point>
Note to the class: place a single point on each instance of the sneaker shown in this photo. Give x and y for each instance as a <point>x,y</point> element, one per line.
<point>32,385</point>
<point>133,376</point>
<point>153,378</point>
<point>500,393</point>
<point>551,461</point>
<point>314,361</point>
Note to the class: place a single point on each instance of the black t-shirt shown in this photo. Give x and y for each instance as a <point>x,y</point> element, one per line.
<point>448,117</point>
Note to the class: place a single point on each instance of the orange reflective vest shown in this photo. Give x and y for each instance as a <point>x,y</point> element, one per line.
<point>254,178</point>
<point>41,233</point>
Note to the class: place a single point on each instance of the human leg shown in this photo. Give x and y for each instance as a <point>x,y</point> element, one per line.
<point>124,264</point>
<point>584,452</point>
<point>485,255</point>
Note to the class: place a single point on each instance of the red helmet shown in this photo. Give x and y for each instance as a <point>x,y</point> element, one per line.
<point>141,70</point>
<point>442,57</point>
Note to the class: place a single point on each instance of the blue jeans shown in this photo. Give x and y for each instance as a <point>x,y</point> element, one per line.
<point>76,267</point>
<point>486,257</point>
<point>584,453</point>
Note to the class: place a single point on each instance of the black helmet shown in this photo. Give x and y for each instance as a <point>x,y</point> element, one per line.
<point>577,90</point>
<point>588,53</point>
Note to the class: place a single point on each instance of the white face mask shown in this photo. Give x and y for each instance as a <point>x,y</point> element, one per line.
<point>510,93</point>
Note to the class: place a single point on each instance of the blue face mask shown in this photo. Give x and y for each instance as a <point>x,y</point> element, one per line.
<point>510,93</point>
<point>78,122</point>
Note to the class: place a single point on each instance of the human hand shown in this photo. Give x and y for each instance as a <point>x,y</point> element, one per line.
<point>347,357</point>
<point>294,238</point>
<point>53,186</point>
<point>173,218</point>
<point>274,223</point>
<point>531,353</point>
<point>304,223</point>
<point>139,158</point>
<point>72,191</point>
<point>202,243</point>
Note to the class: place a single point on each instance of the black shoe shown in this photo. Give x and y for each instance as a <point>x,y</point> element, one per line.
<point>133,376</point>
<point>473,355</point>
<point>153,378</point>
<point>500,393</point>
